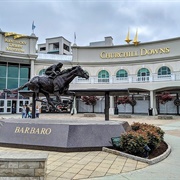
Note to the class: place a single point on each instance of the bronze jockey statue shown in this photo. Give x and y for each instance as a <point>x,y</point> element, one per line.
<point>54,70</point>
<point>57,84</point>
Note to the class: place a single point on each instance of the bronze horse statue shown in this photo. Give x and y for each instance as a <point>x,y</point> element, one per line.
<point>58,86</point>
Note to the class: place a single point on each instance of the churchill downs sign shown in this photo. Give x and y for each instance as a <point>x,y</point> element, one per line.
<point>141,52</point>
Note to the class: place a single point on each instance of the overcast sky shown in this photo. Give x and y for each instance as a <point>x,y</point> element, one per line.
<point>92,20</point>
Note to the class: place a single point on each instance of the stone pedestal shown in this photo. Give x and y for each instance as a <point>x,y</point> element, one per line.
<point>60,133</point>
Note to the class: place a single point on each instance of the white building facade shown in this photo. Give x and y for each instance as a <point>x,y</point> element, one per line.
<point>17,57</point>
<point>146,71</point>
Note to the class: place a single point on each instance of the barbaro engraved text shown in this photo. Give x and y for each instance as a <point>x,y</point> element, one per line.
<point>32,130</point>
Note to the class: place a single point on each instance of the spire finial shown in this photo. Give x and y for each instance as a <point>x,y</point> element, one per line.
<point>128,40</point>
<point>135,41</point>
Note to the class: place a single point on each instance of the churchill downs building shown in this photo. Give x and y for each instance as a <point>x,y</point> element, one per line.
<point>141,71</point>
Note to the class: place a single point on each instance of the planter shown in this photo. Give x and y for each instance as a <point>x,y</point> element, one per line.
<point>124,116</point>
<point>89,115</point>
<point>165,117</point>
<point>137,158</point>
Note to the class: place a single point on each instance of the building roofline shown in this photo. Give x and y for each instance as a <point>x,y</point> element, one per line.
<point>127,45</point>
<point>57,37</point>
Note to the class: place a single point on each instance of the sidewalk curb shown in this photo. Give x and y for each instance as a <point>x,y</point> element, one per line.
<point>148,161</point>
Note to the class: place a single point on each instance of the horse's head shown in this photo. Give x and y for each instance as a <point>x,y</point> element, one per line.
<point>81,72</point>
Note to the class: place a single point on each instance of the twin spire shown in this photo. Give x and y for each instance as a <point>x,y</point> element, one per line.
<point>135,41</point>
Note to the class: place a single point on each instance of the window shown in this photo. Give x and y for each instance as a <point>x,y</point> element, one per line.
<point>42,48</point>
<point>66,47</point>
<point>24,74</point>
<point>20,103</point>
<point>103,76</point>
<point>164,70</point>
<point>121,73</point>
<point>9,104</point>
<point>1,105</point>
<point>2,70</point>
<point>12,83</point>
<point>143,74</point>
<point>41,72</point>
<point>12,76</point>
<point>56,46</point>
<point>13,70</point>
<point>2,95</point>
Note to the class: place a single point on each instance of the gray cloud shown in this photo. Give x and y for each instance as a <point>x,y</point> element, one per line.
<point>92,20</point>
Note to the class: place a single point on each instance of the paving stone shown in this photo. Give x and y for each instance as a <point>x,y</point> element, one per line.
<point>68,175</point>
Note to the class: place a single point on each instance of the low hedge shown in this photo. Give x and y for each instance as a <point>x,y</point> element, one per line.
<point>141,136</point>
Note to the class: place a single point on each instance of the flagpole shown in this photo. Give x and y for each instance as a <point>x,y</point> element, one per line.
<point>33,27</point>
<point>74,38</point>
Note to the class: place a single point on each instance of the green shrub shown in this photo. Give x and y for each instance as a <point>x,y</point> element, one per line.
<point>142,134</point>
<point>160,132</point>
<point>133,143</point>
<point>154,138</point>
<point>136,126</point>
<point>143,126</point>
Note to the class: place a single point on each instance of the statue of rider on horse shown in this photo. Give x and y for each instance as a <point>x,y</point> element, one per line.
<point>54,70</point>
<point>54,82</point>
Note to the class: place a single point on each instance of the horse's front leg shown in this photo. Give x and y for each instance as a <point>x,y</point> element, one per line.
<point>50,102</point>
<point>36,96</point>
<point>56,93</point>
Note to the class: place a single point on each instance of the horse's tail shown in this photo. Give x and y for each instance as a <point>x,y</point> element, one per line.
<point>17,89</point>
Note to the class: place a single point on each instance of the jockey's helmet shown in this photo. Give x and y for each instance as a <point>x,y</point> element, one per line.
<point>59,65</point>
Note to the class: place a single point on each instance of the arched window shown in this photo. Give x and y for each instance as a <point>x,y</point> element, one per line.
<point>41,72</point>
<point>103,76</point>
<point>164,70</point>
<point>143,74</point>
<point>121,74</point>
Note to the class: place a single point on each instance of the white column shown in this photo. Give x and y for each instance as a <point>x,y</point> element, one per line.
<point>111,108</point>
<point>32,68</point>
<point>74,110</point>
<point>130,79</point>
<point>153,102</point>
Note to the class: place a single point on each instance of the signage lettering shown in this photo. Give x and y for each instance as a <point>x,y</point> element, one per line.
<point>141,52</point>
<point>145,52</point>
<point>14,41</point>
<point>15,45</point>
<point>32,130</point>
